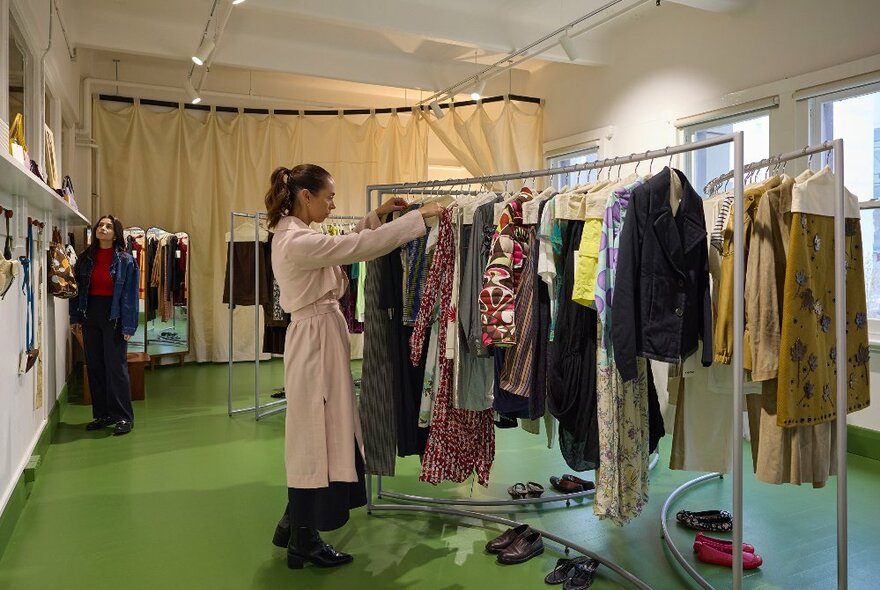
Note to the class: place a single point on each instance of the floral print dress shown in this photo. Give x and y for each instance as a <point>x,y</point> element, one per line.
<point>807,386</point>
<point>622,406</point>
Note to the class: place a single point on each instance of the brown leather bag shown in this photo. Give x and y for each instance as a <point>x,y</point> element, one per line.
<point>62,278</point>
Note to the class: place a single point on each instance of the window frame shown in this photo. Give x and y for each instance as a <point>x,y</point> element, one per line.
<point>815,105</point>
<point>685,133</point>
<point>573,151</point>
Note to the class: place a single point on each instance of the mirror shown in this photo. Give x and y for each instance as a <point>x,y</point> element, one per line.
<point>163,258</point>
<point>16,76</point>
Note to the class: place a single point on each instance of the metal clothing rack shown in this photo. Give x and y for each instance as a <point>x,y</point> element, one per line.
<point>430,505</point>
<point>835,146</point>
<point>260,409</point>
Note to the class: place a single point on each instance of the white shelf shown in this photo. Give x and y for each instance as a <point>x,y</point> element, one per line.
<point>17,181</point>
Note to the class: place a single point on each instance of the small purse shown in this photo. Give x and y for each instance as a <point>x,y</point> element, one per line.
<point>9,267</point>
<point>17,144</point>
<point>62,279</point>
<point>66,192</point>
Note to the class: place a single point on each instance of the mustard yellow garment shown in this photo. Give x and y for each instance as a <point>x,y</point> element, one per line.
<point>587,266</point>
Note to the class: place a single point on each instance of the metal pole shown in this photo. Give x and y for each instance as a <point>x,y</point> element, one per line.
<point>650,155</point>
<point>231,304</point>
<point>842,354</point>
<point>738,329</point>
<point>257,316</point>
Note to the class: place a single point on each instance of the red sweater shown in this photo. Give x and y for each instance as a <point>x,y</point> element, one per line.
<point>102,284</point>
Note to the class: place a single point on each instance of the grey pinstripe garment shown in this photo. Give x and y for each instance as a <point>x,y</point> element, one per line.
<point>376,403</point>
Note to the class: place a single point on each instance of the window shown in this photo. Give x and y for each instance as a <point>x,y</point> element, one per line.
<point>854,116</point>
<point>704,165</point>
<point>582,156</point>
<point>17,68</point>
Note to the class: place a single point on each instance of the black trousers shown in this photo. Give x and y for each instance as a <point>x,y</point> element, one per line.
<point>107,360</point>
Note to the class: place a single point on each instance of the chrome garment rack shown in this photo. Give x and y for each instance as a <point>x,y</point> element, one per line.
<point>835,146</point>
<point>259,409</point>
<point>430,505</point>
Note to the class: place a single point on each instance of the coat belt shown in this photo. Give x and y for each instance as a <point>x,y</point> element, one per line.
<point>314,309</point>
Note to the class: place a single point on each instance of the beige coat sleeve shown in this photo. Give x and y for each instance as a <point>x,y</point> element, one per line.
<point>371,221</point>
<point>763,313</point>
<point>311,249</point>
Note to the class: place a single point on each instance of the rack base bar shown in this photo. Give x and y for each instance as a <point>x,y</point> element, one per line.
<point>664,514</point>
<point>273,411</point>
<point>629,577</point>
<point>466,502</point>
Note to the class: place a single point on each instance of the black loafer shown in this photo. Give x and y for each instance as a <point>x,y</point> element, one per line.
<point>98,424</point>
<point>122,427</point>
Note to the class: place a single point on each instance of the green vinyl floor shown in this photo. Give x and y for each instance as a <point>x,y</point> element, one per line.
<point>190,499</point>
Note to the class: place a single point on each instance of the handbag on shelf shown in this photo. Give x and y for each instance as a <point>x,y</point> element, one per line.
<point>66,192</point>
<point>17,143</point>
<point>62,279</point>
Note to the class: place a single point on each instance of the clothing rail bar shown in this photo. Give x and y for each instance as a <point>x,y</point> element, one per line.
<point>778,159</point>
<point>608,162</point>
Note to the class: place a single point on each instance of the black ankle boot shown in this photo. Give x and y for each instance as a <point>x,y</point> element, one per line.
<point>282,532</point>
<point>306,545</point>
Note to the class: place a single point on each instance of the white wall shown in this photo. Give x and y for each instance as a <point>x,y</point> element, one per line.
<point>675,62</point>
<point>21,419</point>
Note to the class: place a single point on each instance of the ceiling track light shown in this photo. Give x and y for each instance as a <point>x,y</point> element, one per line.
<point>203,52</point>
<point>568,46</point>
<point>191,93</point>
<point>234,2</point>
<point>477,94</point>
<point>438,112</point>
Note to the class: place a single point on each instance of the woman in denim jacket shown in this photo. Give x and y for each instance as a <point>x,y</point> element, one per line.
<point>106,313</point>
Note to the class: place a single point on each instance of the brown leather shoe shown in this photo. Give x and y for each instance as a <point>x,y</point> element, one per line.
<point>502,542</point>
<point>584,483</point>
<point>565,486</point>
<point>522,549</point>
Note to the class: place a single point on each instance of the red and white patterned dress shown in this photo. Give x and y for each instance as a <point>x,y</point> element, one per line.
<point>461,442</point>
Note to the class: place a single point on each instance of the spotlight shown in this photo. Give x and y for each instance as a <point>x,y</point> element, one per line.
<point>237,1</point>
<point>191,92</point>
<point>568,46</point>
<point>203,52</point>
<point>478,90</point>
<point>438,112</point>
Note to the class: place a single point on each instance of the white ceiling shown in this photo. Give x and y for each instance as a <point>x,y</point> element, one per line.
<point>423,44</point>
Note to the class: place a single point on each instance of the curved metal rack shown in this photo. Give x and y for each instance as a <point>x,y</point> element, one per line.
<point>665,528</point>
<point>429,505</point>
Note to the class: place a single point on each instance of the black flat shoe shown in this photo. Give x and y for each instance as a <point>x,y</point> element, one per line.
<point>98,424</point>
<point>122,427</point>
<point>718,521</point>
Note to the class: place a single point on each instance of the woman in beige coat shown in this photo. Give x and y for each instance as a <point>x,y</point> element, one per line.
<point>323,444</point>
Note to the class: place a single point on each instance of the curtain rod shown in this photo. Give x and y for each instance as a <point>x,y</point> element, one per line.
<point>322,112</point>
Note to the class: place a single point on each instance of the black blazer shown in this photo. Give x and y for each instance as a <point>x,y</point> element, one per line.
<point>661,305</point>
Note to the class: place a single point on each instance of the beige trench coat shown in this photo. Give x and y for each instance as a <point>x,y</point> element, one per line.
<point>322,426</point>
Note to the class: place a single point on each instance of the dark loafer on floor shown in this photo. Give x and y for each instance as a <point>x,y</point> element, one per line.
<point>584,483</point>
<point>563,570</point>
<point>98,424</point>
<point>122,427</point>
<point>522,549</point>
<point>582,576</point>
<point>565,486</point>
<point>503,541</point>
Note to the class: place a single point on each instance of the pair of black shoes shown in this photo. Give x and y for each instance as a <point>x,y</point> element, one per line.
<point>573,574</point>
<point>120,428</point>
<point>305,544</point>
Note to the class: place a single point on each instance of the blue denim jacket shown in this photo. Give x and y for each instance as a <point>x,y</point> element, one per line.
<point>126,281</point>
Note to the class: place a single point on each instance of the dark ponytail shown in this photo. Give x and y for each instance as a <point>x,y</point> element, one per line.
<point>286,183</point>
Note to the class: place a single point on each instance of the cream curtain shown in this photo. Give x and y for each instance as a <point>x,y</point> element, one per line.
<point>187,171</point>
<point>494,138</point>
